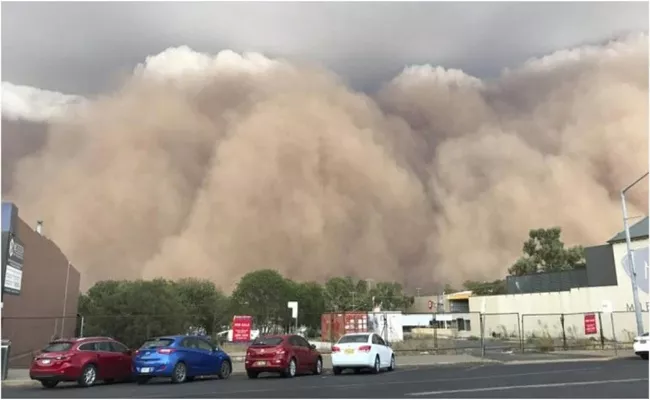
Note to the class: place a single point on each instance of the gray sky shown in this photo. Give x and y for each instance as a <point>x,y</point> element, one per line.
<point>86,47</point>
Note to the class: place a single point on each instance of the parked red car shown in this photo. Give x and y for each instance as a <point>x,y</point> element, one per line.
<point>85,360</point>
<point>288,355</point>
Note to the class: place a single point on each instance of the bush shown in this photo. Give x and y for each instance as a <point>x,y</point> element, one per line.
<point>544,344</point>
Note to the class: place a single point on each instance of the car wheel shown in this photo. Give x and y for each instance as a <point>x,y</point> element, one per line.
<point>337,370</point>
<point>141,380</point>
<point>318,369</point>
<point>377,367</point>
<point>291,369</point>
<point>225,371</point>
<point>49,383</point>
<point>392,363</point>
<point>88,376</point>
<point>252,375</point>
<point>179,374</point>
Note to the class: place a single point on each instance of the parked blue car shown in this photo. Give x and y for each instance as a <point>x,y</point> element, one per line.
<point>181,358</point>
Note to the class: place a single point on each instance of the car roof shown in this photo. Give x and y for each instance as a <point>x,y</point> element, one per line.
<point>357,333</point>
<point>82,339</point>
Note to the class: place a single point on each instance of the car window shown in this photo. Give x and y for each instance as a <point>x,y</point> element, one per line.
<point>118,347</point>
<point>268,341</point>
<point>54,347</point>
<point>302,342</point>
<point>104,346</point>
<point>380,340</point>
<point>354,339</point>
<point>374,339</point>
<point>156,343</point>
<point>88,347</point>
<point>203,345</point>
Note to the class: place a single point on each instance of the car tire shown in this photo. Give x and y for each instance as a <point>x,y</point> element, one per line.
<point>142,380</point>
<point>179,374</point>
<point>392,363</point>
<point>49,383</point>
<point>88,376</point>
<point>318,368</point>
<point>337,370</point>
<point>226,370</point>
<point>377,367</point>
<point>252,374</point>
<point>291,370</point>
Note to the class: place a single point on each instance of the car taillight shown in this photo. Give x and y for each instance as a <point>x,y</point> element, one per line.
<point>365,348</point>
<point>136,352</point>
<point>335,349</point>
<point>63,357</point>
<point>280,352</point>
<point>165,351</point>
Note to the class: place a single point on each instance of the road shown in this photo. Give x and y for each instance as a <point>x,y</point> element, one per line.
<point>621,378</point>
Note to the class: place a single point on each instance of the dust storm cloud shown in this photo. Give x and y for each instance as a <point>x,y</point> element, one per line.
<point>214,166</point>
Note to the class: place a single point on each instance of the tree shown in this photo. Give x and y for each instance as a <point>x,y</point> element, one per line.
<point>486,288</point>
<point>346,294</point>
<point>390,296</point>
<point>263,294</point>
<point>544,251</point>
<point>311,302</point>
<point>132,311</point>
<point>208,307</point>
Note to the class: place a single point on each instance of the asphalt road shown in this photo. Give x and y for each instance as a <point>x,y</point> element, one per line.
<point>621,378</point>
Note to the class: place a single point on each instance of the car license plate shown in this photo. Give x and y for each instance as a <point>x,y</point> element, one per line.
<point>349,351</point>
<point>145,370</point>
<point>260,363</point>
<point>45,362</point>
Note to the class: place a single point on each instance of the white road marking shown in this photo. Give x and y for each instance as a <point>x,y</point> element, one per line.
<point>544,385</point>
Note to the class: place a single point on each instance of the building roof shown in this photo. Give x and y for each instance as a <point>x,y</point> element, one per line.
<point>637,231</point>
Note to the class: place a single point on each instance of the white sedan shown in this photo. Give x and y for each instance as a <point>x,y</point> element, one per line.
<point>641,346</point>
<point>358,351</point>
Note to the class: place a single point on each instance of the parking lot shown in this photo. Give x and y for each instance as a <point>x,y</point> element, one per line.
<point>621,378</point>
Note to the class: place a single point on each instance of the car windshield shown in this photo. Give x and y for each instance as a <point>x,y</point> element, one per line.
<point>56,347</point>
<point>268,341</point>
<point>156,343</point>
<point>354,339</point>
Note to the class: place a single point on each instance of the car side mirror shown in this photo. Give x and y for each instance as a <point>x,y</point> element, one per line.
<point>312,346</point>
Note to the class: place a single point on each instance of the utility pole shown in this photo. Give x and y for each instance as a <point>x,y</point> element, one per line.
<point>630,258</point>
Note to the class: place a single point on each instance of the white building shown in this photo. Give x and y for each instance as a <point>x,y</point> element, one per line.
<point>608,286</point>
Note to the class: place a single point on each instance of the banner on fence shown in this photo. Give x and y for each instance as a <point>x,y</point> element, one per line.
<point>241,328</point>
<point>591,326</point>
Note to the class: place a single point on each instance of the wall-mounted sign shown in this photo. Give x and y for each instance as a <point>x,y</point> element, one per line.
<point>13,279</point>
<point>591,326</point>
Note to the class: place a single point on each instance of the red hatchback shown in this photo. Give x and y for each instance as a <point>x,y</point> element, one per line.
<point>84,360</point>
<point>288,355</point>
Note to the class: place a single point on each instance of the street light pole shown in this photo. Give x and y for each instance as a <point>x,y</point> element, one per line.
<point>630,258</point>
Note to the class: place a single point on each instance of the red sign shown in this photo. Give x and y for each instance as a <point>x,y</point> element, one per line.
<point>591,327</point>
<point>241,328</point>
<point>430,304</point>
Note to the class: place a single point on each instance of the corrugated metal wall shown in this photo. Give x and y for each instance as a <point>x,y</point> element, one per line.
<point>47,304</point>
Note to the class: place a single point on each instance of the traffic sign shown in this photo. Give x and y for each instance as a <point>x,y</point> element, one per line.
<point>430,304</point>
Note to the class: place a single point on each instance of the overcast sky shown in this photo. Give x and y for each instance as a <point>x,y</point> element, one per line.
<point>83,48</point>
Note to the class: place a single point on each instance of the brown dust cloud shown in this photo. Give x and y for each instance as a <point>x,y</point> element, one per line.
<point>215,166</point>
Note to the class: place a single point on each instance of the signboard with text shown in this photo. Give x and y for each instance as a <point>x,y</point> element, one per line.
<point>13,271</point>
<point>591,326</point>
<point>241,328</point>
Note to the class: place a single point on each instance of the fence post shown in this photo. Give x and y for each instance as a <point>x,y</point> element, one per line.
<point>519,331</point>
<point>602,334</point>
<point>481,320</point>
<point>563,331</point>
<point>523,333</point>
<point>611,317</point>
